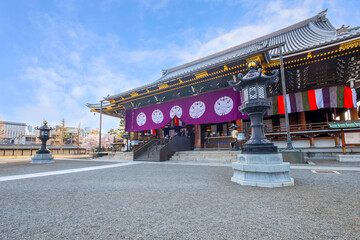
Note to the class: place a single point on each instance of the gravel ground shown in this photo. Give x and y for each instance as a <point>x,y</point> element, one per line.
<point>155,201</point>
<point>323,162</point>
<point>17,168</point>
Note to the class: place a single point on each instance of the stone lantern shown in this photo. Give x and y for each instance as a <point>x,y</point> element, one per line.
<point>259,164</point>
<point>254,103</point>
<point>43,155</point>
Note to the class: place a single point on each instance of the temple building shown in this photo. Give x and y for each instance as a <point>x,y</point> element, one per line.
<point>321,65</point>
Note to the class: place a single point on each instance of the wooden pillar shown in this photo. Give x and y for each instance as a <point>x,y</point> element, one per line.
<point>343,141</point>
<point>301,118</point>
<point>312,144</point>
<point>197,136</point>
<point>337,140</point>
<point>301,121</point>
<point>239,123</point>
<point>240,130</point>
<point>142,135</point>
<point>342,114</point>
<point>158,133</point>
<point>354,115</point>
<point>136,135</point>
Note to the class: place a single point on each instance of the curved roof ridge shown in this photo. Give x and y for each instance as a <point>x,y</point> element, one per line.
<point>304,35</point>
<point>322,31</point>
<point>320,16</point>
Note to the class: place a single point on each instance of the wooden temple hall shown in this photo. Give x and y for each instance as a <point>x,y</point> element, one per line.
<point>195,103</point>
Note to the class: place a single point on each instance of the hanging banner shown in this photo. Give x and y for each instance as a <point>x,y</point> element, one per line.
<point>332,97</point>
<point>213,107</point>
<point>222,106</point>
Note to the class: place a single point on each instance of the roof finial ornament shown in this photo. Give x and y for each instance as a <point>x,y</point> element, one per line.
<point>322,14</point>
<point>342,29</point>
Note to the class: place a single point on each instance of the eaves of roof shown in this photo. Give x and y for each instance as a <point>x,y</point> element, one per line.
<point>305,35</point>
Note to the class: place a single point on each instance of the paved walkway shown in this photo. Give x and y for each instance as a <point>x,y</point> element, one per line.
<point>103,199</point>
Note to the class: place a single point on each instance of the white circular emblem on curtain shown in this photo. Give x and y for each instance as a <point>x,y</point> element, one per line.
<point>157,116</point>
<point>176,111</point>
<point>223,106</point>
<point>197,109</point>
<point>141,119</point>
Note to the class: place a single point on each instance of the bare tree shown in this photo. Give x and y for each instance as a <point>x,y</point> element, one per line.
<point>78,137</point>
<point>2,131</point>
<point>62,133</point>
<point>18,138</point>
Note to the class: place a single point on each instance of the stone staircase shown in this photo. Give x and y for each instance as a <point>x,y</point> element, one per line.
<point>153,155</point>
<point>205,156</point>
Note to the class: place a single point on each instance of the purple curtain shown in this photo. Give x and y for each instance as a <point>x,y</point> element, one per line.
<point>213,107</point>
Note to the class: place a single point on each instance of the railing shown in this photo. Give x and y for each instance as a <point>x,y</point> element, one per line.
<point>297,127</point>
<point>175,144</point>
<point>157,146</point>
<point>218,144</point>
<point>143,148</point>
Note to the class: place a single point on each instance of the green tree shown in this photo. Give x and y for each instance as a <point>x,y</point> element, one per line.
<point>120,130</point>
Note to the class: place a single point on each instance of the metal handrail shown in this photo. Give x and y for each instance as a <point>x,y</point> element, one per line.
<point>298,127</point>
<point>218,143</point>
<point>155,147</point>
<point>145,144</point>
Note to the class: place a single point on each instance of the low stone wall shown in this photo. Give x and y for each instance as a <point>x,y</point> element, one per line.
<point>348,158</point>
<point>13,150</point>
<point>121,155</point>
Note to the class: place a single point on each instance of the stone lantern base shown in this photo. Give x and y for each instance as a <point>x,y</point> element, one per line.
<point>42,158</point>
<point>262,170</point>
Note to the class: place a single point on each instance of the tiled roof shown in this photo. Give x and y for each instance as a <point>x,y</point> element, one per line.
<point>308,34</point>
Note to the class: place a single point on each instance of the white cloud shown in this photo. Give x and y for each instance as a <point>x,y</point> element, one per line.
<point>266,18</point>
<point>70,70</point>
<point>75,66</point>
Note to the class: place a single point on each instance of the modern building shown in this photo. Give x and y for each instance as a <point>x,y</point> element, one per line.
<point>321,64</point>
<point>12,132</point>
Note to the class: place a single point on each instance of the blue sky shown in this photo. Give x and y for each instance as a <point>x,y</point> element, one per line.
<point>58,55</point>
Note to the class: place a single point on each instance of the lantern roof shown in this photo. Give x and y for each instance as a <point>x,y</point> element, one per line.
<point>44,127</point>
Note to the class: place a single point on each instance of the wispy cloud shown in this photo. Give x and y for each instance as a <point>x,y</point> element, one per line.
<point>75,65</point>
<point>265,18</point>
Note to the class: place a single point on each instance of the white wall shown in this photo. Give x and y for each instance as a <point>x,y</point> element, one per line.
<point>13,131</point>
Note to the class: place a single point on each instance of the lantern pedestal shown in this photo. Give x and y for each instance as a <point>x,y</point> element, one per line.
<point>43,155</point>
<point>259,164</point>
<point>42,158</point>
<point>262,170</point>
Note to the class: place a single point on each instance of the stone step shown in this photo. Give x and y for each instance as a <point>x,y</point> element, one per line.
<point>204,156</point>
<point>208,156</point>
<point>210,153</point>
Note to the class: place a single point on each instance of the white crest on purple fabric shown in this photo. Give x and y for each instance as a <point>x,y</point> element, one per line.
<point>157,116</point>
<point>223,106</point>
<point>197,109</point>
<point>176,111</point>
<point>141,119</point>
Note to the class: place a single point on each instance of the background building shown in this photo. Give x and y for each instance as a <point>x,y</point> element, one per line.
<point>12,132</point>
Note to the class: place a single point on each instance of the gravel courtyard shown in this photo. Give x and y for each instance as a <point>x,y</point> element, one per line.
<point>173,201</point>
